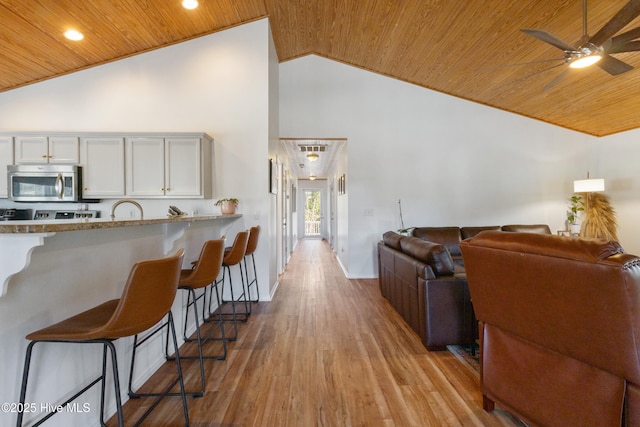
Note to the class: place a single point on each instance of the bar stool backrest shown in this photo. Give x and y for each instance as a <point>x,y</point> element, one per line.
<point>237,251</point>
<point>147,297</point>
<point>254,233</point>
<point>208,265</point>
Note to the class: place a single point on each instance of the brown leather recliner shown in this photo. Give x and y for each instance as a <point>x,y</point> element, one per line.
<point>559,327</point>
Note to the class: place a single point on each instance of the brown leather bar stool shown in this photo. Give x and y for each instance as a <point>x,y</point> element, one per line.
<point>204,273</point>
<point>232,257</point>
<point>252,245</point>
<point>147,298</point>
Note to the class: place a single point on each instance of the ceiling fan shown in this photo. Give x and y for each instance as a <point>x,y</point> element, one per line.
<point>596,49</point>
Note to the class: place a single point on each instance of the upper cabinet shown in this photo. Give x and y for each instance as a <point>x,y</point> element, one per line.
<point>44,149</point>
<point>171,167</point>
<point>183,167</point>
<point>115,165</point>
<point>6,158</point>
<point>102,160</point>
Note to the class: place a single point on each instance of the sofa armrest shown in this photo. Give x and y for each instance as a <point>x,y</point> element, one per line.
<point>449,316</point>
<point>527,228</point>
<point>434,254</point>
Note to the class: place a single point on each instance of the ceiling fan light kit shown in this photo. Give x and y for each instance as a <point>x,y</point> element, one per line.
<point>587,57</point>
<point>598,48</point>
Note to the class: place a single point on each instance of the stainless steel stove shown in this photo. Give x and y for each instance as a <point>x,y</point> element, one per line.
<point>50,214</point>
<point>11,214</point>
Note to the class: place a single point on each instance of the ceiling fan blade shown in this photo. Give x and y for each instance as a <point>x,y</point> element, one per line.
<point>555,81</point>
<point>626,36</point>
<point>625,15</point>
<point>549,38</point>
<point>613,66</point>
<point>529,76</point>
<point>633,46</point>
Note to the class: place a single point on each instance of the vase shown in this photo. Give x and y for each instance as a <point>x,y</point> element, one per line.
<point>574,229</point>
<point>227,207</point>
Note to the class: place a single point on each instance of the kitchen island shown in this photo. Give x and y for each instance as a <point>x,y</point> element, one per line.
<point>54,269</point>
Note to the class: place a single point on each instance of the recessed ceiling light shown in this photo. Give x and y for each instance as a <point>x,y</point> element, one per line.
<point>189,4</point>
<point>73,35</point>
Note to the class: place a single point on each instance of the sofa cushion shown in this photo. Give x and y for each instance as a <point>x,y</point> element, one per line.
<point>392,239</point>
<point>434,254</point>
<point>467,232</point>
<point>528,228</point>
<point>447,236</point>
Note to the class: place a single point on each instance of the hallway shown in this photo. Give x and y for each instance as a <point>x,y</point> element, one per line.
<point>328,351</point>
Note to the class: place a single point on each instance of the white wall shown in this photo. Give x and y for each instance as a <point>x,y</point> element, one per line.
<point>451,161</point>
<point>220,84</point>
<point>616,160</point>
<point>260,177</point>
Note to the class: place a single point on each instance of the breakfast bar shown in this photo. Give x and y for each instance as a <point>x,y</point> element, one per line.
<point>57,268</point>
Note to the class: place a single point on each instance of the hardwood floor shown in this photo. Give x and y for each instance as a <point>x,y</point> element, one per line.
<point>328,351</point>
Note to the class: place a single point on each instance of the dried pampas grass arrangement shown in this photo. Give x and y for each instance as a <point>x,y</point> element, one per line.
<point>600,218</point>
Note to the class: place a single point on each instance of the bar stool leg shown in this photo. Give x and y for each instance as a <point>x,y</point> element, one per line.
<point>233,299</point>
<point>253,282</point>
<point>167,391</point>
<point>220,301</point>
<point>208,337</point>
<point>245,293</point>
<point>116,382</point>
<point>25,378</point>
<point>180,376</point>
<point>193,303</point>
<point>200,341</point>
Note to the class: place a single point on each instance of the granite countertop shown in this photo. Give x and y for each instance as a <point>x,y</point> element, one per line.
<point>52,226</point>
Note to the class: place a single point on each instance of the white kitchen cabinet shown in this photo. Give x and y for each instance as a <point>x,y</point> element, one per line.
<point>102,160</point>
<point>151,165</point>
<point>145,167</point>
<point>183,164</point>
<point>6,158</point>
<point>169,167</point>
<point>43,149</point>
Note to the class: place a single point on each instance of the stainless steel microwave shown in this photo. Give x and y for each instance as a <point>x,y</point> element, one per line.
<point>44,183</point>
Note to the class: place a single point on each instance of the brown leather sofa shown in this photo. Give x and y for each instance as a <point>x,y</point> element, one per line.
<point>417,278</point>
<point>422,277</point>
<point>559,327</point>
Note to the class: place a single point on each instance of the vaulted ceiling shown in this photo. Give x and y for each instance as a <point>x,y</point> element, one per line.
<point>456,47</point>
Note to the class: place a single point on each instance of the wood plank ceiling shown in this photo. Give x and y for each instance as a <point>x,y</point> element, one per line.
<point>448,46</point>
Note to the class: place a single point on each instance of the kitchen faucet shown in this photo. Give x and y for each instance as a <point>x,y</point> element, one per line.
<point>121,201</point>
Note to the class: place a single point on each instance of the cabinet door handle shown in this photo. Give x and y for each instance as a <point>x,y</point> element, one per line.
<point>44,156</point>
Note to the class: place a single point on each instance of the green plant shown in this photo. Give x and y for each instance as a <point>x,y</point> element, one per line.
<point>403,230</point>
<point>232,200</point>
<point>576,205</point>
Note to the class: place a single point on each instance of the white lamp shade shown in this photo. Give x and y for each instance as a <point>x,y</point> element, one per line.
<point>588,185</point>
